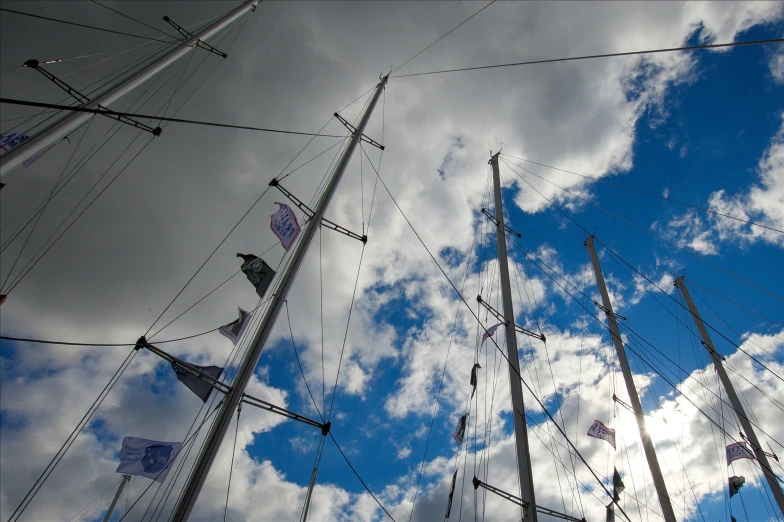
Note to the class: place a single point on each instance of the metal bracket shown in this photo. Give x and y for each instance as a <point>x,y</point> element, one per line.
<point>324,221</point>
<point>606,311</point>
<point>501,318</point>
<point>81,98</point>
<point>619,401</point>
<point>188,35</point>
<point>520,502</point>
<point>354,131</point>
<point>264,405</point>
<point>193,370</point>
<point>494,220</point>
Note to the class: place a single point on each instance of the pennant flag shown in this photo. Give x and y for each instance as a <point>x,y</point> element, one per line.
<point>460,430</point>
<point>735,484</point>
<point>490,331</point>
<point>600,431</point>
<point>473,378</point>
<point>733,519</point>
<point>10,140</point>
<point>147,458</point>
<point>259,273</point>
<point>234,330</point>
<point>451,494</point>
<point>197,385</point>
<point>738,451</point>
<point>618,485</point>
<point>284,224</point>
<point>610,512</point>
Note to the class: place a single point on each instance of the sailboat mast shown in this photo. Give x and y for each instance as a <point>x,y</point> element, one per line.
<point>74,120</point>
<point>518,408</point>
<point>248,365</point>
<point>647,444</point>
<point>762,458</point>
<point>123,482</point>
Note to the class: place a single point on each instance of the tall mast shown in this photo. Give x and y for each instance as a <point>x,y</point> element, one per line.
<point>733,397</point>
<point>248,364</point>
<point>123,482</point>
<point>647,444</point>
<point>74,120</point>
<point>518,408</point>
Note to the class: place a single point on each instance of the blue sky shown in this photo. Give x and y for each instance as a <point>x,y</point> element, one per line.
<point>693,127</point>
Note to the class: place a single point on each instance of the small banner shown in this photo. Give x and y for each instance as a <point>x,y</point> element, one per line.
<point>451,494</point>
<point>490,332</point>
<point>735,484</point>
<point>618,485</point>
<point>234,330</point>
<point>259,273</point>
<point>460,430</point>
<point>738,451</point>
<point>599,431</point>
<point>284,224</point>
<point>10,140</point>
<point>473,378</point>
<point>147,458</point>
<point>194,383</point>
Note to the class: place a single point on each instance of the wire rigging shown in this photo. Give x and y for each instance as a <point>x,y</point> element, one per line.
<point>606,55</point>
<point>134,19</point>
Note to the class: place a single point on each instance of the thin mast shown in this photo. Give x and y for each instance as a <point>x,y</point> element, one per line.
<point>733,397</point>
<point>123,482</point>
<point>518,408</point>
<point>248,364</point>
<point>74,120</point>
<point>647,444</point>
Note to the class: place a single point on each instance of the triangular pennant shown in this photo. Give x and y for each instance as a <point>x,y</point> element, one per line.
<point>618,485</point>
<point>259,273</point>
<point>473,378</point>
<point>235,329</point>
<point>490,331</point>
<point>451,494</point>
<point>460,430</point>
<point>197,385</point>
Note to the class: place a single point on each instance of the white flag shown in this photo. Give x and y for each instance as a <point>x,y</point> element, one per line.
<point>10,140</point>
<point>284,224</point>
<point>600,431</point>
<point>147,458</point>
<point>235,330</point>
<point>738,451</point>
<point>490,331</point>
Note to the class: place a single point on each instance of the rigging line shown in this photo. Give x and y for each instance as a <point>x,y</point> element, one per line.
<point>299,363</point>
<point>134,19</point>
<point>536,262</point>
<point>148,117</point>
<point>739,305</point>
<point>78,25</point>
<point>231,466</point>
<point>321,317</point>
<point>360,478</point>
<point>46,204</point>
<point>493,340</point>
<point>23,274</point>
<point>684,250</point>
<point>707,324</point>
<point>341,142</point>
<point>606,55</point>
<point>651,194</point>
<point>443,36</point>
<point>41,480</point>
<point>84,510</point>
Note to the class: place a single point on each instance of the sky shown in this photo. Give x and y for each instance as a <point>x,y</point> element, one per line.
<point>704,128</point>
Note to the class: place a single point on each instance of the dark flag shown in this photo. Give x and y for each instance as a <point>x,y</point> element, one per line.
<point>735,484</point>
<point>618,485</point>
<point>451,494</point>
<point>733,519</point>
<point>199,386</point>
<point>460,430</point>
<point>258,272</point>
<point>610,517</point>
<point>473,378</point>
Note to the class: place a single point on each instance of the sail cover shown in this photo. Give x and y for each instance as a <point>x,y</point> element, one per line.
<point>259,273</point>
<point>147,458</point>
<point>235,329</point>
<point>599,431</point>
<point>199,386</point>
<point>738,451</point>
<point>284,224</point>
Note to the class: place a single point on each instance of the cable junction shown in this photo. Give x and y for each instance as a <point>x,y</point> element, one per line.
<point>309,212</point>
<point>517,327</point>
<point>187,35</point>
